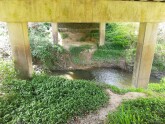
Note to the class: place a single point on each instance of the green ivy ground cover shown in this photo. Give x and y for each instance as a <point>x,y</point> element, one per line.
<point>48,99</point>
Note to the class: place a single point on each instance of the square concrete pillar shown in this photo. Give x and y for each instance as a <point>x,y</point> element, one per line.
<point>144,54</point>
<point>18,35</point>
<point>102,34</point>
<point>55,33</point>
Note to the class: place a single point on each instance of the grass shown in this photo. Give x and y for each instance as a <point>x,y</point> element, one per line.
<point>139,111</point>
<point>107,55</point>
<point>64,35</point>
<point>149,110</point>
<point>158,87</point>
<point>48,99</point>
<point>6,70</point>
<point>75,52</point>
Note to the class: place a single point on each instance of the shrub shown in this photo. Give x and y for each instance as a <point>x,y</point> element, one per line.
<point>139,111</point>
<point>42,48</point>
<point>93,34</point>
<point>107,55</point>
<point>121,36</point>
<point>40,32</point>
<point>64,35</point>
<point>159,58</point>
<point>82,39</point>
<point>158,87</point>
<point>75,52</point>
<point>46,52</point>
<point>7,71</point>
<point>50,100</point>
<point>119,39</point>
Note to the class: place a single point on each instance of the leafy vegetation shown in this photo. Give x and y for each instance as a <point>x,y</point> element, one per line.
<point>82,39</point>
<point>139,111</point>
<point>119,39</point>
<point>42,49</point>
<point>75,52</point>
<point>64,35</point>
<point>149,110</point>
<point>107,55</point>
<point>120,35</point>
<point>47,99</point>
<point>93,34</point>
<point>6,70</point>
<point>158,87</point>
<point>159,58</point>
<point>47,53</point>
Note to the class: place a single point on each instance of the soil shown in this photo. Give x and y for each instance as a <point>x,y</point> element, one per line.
<point>99,117</point>
<point>74,39</point>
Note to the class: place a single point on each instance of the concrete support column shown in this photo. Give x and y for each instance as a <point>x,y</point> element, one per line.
<point>18,35</point>
<point>102,34</point>
<point>55,32</point>
<point>144,54</point>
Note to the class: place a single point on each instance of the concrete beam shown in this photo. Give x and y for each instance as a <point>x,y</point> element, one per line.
<point>102,34</point>
<point>55,32</point>
<point>144,54</point>
<point>18,35</point>
<point>81,11</point>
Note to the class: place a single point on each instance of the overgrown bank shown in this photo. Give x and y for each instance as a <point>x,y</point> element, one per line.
<point>50,99</point>
<point>46,99</point>
<point>119,50</point>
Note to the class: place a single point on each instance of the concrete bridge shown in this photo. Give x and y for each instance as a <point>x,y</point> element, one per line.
<point>17,13</point>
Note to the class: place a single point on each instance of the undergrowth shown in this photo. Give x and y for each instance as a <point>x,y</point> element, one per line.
<point>51,56</point>
<point>107,55</point>
<point>149,110</point>
<point>139,111</point>
<point>48,99</point>
<point>118,39</point>
<point>7,71</point>
<point>75,52</point>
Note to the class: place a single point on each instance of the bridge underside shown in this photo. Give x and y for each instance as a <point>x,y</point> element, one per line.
<point>19,12</point>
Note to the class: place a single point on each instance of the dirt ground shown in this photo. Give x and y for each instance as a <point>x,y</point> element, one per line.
<point>99,117</point>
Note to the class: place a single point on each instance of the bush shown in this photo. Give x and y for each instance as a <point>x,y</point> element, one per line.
<point>120,36</point>
<point>50,100</point>
<point>7,71</point>
<point>40,32</point>
<point>159,58</point>
<point>42,48</point>
<point>119,39</point>
<point>64,35</point>
<point>139,111</point>
<point>75,52</point>
<point>107,55</point>
<point>158,87</point>
<point>46,52</point>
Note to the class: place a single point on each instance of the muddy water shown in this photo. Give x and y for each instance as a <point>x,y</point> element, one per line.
<point>111,76</point>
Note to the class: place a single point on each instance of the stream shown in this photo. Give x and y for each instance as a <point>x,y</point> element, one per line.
<point>117,77</point>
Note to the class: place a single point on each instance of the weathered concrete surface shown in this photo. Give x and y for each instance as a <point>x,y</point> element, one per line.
<point>145,53</point>
<point>102,34</point>
<point>18,35</point>
<point>55,32</point>
<point>81,11</point>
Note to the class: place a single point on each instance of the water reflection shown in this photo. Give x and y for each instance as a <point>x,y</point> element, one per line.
<point>111,76</point>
